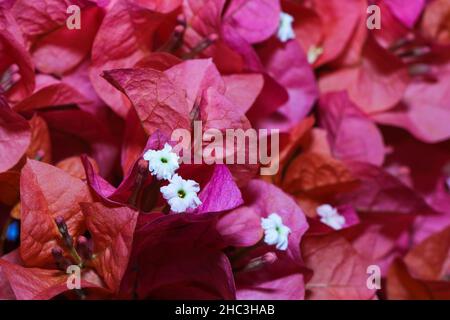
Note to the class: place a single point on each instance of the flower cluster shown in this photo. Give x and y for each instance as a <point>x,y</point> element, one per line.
<point>181,194</point>
<point>92,180</point>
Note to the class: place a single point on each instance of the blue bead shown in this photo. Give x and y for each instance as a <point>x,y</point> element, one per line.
<point>12,233</point>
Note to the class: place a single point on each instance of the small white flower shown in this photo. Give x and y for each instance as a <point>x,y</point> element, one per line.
<point>181,194</point>
<point>285,31</point>
<point>275,232</point>
<point>330,216</point>
<point>314,53</point>
<point>162,163</point>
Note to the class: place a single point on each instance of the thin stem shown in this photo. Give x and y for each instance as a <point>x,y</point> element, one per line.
<point>76,256</point>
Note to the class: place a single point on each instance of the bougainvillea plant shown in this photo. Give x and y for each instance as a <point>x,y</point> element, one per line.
<point>224,149</point>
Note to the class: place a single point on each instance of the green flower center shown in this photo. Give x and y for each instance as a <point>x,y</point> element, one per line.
<point>181,193</point>
<point>164,160</point>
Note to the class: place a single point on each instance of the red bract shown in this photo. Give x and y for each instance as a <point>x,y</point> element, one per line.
<point>424,54</point>
<point>378,191</point>
<point>284,88</point>
<point>379,241</point>
<point>70,128</point>
<point>201,271</point>
<point>35,283</point>
<point>204,18</point>
<point>430,259</point>
<point>254,20</point>
<point>102,128</point>
<point>51,94</point>
<point>241,229</point>
<point>381,193</point>
<point>112,232</point>
<point>288,66</point>
<point>44,197</point>
<point>51,197</point>
<point>14,136</point>
<point>424,271</point>
<point>135,179</point>
<point>434,22</point>
<point>16,66</point>
<point>190,91</point>
<point>344,275</point>
<point>405,155</point>
<point>43,24</point>
<point>124,38</point>
<point>424,109</point>
<point>327,26</point>
<point>213,180</point>
<point>406,11</point>
<point>182,90</point>
<point>378,83</point>
<point>352,135</point>
<point>77,132</point>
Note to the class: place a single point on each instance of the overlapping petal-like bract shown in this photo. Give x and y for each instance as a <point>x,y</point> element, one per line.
<point>354,120</point>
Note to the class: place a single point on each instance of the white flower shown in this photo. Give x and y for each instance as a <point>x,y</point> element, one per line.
<point>181,194</point>
<point>162,163</point>
<point>330,216</point>
<point>314,53</point>
<point>285,31</point>
<point>275,232</point>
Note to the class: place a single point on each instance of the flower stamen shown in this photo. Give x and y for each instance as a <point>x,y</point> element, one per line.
<point>162,163</point>
<point>67,239</point>
<point>176,38</point>
<point>181,194</point>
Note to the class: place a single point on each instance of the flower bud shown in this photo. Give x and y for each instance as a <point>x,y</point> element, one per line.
<point>62,227</point>
<point>58,255</point>
<point>260,262</point>
<point>83,248</point>
<point>181,20</point>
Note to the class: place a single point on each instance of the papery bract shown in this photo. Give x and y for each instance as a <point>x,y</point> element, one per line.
<point>338,271</point>
<point>14,52</point>
<point>14,136</point>
<point>201,272</point>
<point>112,233</point>
<point>379,191</point>
<point>406,11</point>
<point>254,20</point>
<point>352,135</point>
<point>141,86</point>
<point>338,21</point>
<point>378,83</point>
<point>288,65</point>
<point>47,192</point>
<point>133,27</point>
<point>283,279</point>
<point>43,23</point>
<point>424,110</point>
